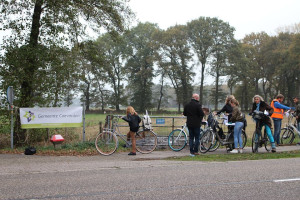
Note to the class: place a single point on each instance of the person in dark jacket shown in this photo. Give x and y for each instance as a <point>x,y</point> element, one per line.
<point>297,114</point>
<point>227,108</point>
<point>260,105</point>
<point>133,119</point>
<point>194,113</point>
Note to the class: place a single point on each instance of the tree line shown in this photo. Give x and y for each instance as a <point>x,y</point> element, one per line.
<point>48,65</point>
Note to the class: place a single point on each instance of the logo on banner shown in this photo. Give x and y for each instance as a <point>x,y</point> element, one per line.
<point>29,116</point>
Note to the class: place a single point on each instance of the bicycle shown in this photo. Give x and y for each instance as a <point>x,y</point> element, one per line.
<point>288,132</point>
<point>219,138</point>
<point>178,138</point>
<point>107,141</point>
<point>257,139</point>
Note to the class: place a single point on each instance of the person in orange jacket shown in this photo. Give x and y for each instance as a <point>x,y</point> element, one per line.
<point>277,115</point>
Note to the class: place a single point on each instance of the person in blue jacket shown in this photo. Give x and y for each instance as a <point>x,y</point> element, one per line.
<point>277,115</point>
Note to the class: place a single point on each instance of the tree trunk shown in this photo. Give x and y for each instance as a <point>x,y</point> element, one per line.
<point>161,92</point>
<point>217,90</point>
<point>26,90</point>
<point>201,84</point>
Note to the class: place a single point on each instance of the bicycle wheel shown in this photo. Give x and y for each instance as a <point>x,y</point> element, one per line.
<point>244,138</point>
<point>106,143</point>
<point>206,141</point>
<point>267,142</point>
<point>177,139</point>
<point>287,136</point>
<point>255,142</point>
<point>146,141</point>
<point>215,143</point>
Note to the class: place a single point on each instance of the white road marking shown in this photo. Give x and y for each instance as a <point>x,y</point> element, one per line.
<point>287,180</point>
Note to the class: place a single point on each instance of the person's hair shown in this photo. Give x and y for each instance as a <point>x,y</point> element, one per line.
<point>257,96</point>
<point>130,110</point>
<point>235,102</point>
<point>296,98</point>
<point>279,96</point>
<point>229,98</point>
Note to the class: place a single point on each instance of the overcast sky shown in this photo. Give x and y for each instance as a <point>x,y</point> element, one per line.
<point>246,16</point>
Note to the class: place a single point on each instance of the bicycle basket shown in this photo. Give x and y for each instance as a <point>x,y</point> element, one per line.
<point>258,115</point>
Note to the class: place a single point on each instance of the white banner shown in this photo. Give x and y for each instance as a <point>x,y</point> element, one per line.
<point>57,117</point>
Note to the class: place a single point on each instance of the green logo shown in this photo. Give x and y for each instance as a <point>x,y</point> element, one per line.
<point>29,116</point>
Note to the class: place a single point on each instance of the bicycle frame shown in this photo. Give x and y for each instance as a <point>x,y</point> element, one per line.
<point>292,125</point>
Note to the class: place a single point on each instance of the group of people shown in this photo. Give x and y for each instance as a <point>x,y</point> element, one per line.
<point>194,113</point>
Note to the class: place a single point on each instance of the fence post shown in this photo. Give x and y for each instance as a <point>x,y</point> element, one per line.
<point>83,123</point>
<point>100,127</point>
<point>173,120</point>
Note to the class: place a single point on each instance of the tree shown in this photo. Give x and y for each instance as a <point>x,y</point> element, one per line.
<point>39,24</point>
<point>223,41</point>
<point>141,51</point>
<point>178,59</point>
<point>201,39</point>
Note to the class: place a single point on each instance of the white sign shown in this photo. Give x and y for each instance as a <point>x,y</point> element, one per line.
<point>51,117</point>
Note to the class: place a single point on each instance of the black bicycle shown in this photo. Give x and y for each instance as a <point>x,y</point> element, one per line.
<point>221,138</point>
<point>259,140</point>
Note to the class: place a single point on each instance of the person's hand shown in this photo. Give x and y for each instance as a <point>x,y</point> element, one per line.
<point>215,112</point>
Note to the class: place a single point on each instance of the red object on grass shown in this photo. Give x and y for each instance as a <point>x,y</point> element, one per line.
<point>57,139</point>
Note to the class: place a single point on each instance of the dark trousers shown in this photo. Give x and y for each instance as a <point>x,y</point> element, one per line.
<point>194,139</point>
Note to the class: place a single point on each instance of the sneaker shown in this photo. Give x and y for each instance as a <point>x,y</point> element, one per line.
<point>192,155</point>
<point>241,151</point>
<point>234,151</point>
<point>132,154</point>
<point>273,150</point>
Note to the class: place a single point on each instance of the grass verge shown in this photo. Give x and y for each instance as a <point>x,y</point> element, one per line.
<point>69,149</point>
<point>239,157</point>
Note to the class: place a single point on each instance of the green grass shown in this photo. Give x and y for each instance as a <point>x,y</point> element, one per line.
<point>239,157</point>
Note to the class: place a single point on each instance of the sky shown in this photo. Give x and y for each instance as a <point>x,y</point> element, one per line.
<point>246,16</point>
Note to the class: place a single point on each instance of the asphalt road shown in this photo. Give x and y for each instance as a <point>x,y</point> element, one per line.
<point>146,177</point>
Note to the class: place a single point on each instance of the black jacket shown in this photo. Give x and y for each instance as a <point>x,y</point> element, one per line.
<point>262,107</point>
<point>133,121</point>
<point>194,113</point>
<point>227,109</point>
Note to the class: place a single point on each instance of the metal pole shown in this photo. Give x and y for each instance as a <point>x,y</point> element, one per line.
<point>83,130</point>
<point>12,127</point>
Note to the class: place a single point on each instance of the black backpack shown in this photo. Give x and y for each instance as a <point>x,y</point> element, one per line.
<point>30,151</point>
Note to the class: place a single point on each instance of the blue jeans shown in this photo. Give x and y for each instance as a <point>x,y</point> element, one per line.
<point>277,129</point>
<point>194,139</point>
<point>238,134</point>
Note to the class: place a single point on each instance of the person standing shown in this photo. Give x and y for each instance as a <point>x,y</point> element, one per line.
<point>238,118</point>
<point>194,113</point>
<point>277,115</point>
<point>133,119</point>
<point>297,114</point>
<point>227,109</point>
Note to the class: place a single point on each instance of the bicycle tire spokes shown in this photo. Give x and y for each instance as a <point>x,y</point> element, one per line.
<point>146,141</point>
<point>106,143</point>
<point>287,135</point>
<point>177,140</point>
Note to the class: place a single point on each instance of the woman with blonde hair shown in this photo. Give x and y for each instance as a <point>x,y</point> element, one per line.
<point>227,109</point>
<point>133,120</point>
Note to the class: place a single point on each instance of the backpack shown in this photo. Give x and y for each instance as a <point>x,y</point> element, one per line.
<point>30,151</point>
<point>147,121</point>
